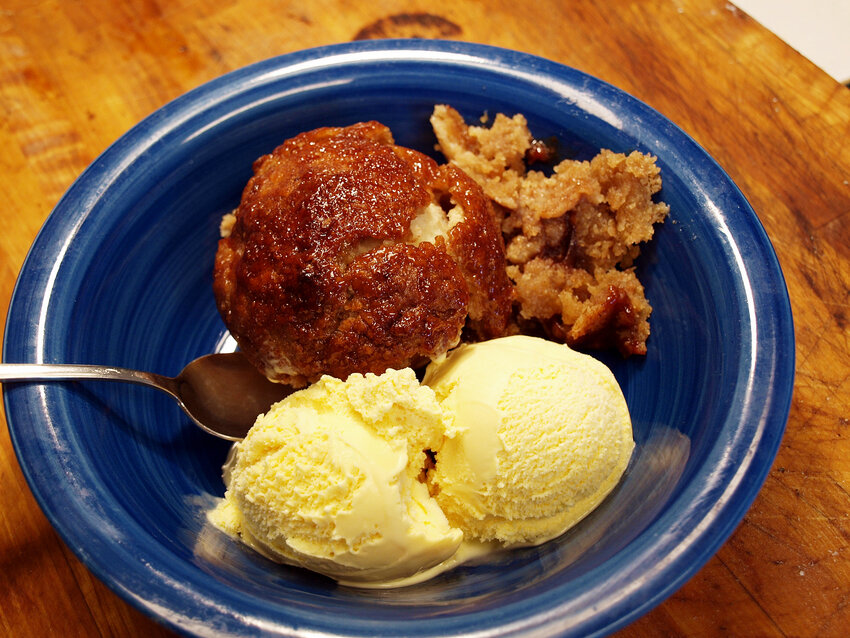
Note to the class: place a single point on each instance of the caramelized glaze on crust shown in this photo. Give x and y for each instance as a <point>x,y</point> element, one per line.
<point>320,272</point>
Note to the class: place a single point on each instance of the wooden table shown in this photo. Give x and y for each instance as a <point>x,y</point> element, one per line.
<point>75,75</point>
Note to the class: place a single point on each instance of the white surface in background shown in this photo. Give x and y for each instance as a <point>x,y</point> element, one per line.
<point>819,29</point>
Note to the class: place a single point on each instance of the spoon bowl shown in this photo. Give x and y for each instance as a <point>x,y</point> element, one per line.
<point>222,393</point>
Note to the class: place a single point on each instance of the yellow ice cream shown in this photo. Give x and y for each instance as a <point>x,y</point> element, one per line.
<point>528,436</point>
<point>328,480</point>
<point>541,435</point>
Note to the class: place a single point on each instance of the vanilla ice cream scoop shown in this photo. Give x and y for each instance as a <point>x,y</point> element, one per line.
<point>541,434</point>
<point>328,480</point>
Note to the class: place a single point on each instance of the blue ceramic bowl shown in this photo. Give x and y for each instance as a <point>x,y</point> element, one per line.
<point>121,275</point>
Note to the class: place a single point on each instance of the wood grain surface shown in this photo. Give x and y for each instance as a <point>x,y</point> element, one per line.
<point>74,76</point>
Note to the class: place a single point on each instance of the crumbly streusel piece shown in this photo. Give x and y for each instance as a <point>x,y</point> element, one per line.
<point>572,236</point>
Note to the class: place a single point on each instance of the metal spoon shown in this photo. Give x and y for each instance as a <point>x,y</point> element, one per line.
<point>221,393</point>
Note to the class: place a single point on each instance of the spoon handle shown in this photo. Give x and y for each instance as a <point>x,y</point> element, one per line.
<point>47,371</point>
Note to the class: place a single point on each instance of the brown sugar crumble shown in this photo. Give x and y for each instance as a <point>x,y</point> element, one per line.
<point>571,237</point>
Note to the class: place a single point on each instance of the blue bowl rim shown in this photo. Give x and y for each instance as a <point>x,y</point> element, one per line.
<point>776,361</point>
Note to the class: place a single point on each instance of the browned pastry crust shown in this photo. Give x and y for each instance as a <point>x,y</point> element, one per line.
<point>324,268</point>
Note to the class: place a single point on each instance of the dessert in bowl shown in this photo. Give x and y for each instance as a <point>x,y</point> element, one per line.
<point>121,274</point>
